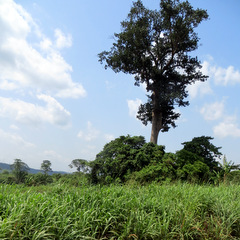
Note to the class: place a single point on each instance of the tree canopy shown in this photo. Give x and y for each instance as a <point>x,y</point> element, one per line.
<point>80,164</point>
<point>19,169</point>
<point>132,159</point>
<point>123,156</point>
<point>202,147</point>
<point>46,166</point>
<point>155,47</point>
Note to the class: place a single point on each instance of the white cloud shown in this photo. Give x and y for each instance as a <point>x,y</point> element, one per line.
<point>28,113</point>
<point>90,134</point>
<point>74,90</point>
<point>133,106</point>
<point>227,128</point>
<point>217,75</point>
<point>213,111</point>
<point>54,111</point>
<point>62,40</point>
<point>220,75</point>
<point>24,67</point>
<point>225,76</point>
<point>46,44</point>
<point>200,88</point>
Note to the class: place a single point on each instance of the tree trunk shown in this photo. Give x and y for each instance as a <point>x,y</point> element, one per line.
<point>156,126</point>
<point>156,118</point>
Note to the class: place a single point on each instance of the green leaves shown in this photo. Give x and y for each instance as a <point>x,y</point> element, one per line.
<point>156,211</point>
<point>202,147</point>
<point>155,46</point>
<point>19,169</point>
<point>46,166</point>
<point>117,158</point>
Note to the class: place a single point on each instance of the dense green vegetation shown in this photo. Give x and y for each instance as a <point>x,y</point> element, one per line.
<point>176,211</point>
<point>132,190</point>
<point>130,159</point>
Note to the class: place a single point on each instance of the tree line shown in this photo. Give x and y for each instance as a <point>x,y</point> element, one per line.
<point>130,159</point>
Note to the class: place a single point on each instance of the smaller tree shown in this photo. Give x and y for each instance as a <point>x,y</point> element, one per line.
<point>202,147</point>
<point>46,166</point>
<point>191,166</point>
<point>227,167</point>
<point>19,170</point>
<point>123,156</point>
<point>81,165</point>
<point>117,159</point>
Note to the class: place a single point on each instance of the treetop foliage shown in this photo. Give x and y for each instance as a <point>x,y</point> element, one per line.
<point>46,166</point>
<point>130,158</point>
<point>202,147</point>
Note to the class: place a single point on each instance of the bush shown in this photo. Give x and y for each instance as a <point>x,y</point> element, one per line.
<point>38,179</point>
<point>75,179</point>
<point>233,177</point>
<point>163,170</point>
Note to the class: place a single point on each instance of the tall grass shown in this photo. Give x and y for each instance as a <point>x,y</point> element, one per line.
<point>179,211</point>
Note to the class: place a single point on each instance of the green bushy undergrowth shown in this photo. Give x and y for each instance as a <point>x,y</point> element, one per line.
<point>176,211</point>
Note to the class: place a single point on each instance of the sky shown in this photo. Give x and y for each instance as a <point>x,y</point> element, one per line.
<point>57,102</point>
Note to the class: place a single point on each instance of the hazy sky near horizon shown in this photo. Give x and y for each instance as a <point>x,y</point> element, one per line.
<point>57,102</point>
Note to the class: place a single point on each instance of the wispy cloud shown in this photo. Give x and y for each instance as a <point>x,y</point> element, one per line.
<point>90,133</point>
<point>14,140</point>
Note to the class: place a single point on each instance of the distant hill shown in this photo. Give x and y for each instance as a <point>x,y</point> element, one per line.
<point>5,166</point>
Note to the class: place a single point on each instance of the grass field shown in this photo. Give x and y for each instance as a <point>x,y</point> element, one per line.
<point>177,211</point>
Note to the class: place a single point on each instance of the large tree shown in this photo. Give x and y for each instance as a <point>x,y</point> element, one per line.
<point>155,46</point>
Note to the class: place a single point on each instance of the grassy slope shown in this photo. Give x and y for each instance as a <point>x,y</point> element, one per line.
<point>179,211</point>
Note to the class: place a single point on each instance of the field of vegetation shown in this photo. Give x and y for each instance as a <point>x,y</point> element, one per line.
<point>155,211</point>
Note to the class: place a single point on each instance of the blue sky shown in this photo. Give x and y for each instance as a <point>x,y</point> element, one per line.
<point>57,102</point>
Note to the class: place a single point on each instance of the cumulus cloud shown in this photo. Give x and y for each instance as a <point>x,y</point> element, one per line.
<point>219,76</point>
<point>29,113</point>
<point>222,76</point>
<point>23,65</point>
<point>199,88</point>
<point>227,128</point>
<point>133,106</point>
<point>227,125</point>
